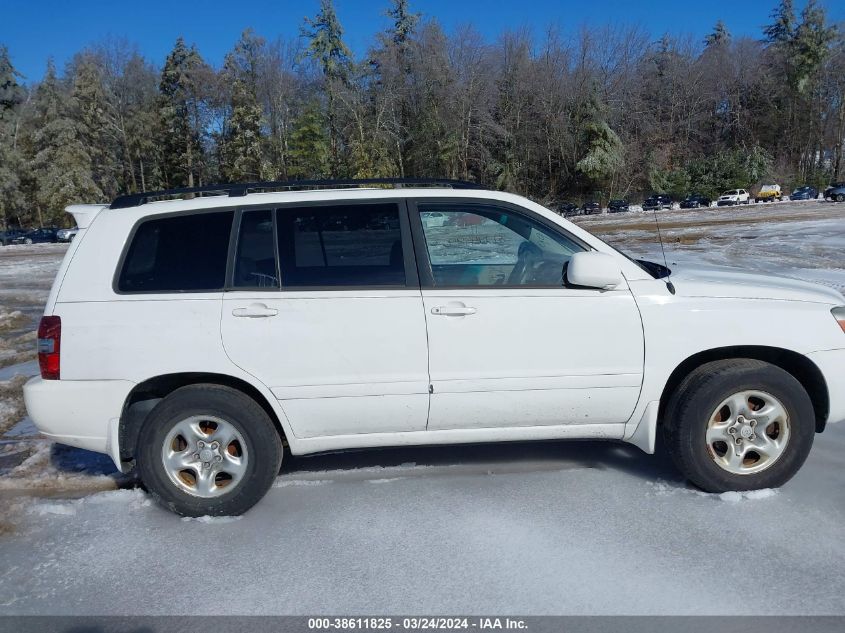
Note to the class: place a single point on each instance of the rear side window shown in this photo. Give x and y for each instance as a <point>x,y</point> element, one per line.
<point>341,245</point>
<point>182,253</point>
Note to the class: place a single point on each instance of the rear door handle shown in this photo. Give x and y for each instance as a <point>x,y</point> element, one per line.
<point>452,310</point>
<point>255,311</point>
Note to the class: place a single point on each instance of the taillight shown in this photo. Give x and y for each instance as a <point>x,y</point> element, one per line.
<point>49,346</point>
<point>839,315</point>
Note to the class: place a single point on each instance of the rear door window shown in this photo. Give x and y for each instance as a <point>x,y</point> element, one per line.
<point>183,253</point>
<point>255,258</point>
<point>345,245</point>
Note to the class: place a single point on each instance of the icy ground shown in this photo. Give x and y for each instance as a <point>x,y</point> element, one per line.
<point>553,527</point>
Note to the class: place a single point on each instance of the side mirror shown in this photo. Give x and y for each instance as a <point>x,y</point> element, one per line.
<point>594,270</point>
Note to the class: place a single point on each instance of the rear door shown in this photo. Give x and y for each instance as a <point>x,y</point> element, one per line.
<point>510,344</point>
<point>323,306</point>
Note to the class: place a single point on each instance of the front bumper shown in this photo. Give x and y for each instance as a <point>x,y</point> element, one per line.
<point>832,365</point>
<point>81,413</point>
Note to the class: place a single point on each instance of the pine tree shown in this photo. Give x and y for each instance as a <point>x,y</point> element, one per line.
<point>391,67</point>
<point>404,22</point>
<point>94,117</point>
<point>240,151</point>
<point>811,44</point>
<point>604,152</point>
<point>60,159</point>
<point>310,148</point>
<point>719,36</point>
<point>327,49</point>
<point>604,149</point>
<point>11,92</point>
<point>326,46</point>
<point>781,30</point>
<point>180,113</point>
<point>11,97</point>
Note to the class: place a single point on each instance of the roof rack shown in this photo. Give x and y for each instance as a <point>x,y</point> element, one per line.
<point>241,189</point>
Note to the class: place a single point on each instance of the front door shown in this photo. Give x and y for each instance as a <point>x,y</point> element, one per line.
<point>509,344</point>
<point>324,307</point>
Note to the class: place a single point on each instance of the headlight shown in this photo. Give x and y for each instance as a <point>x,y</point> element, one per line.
<point>839,314</point>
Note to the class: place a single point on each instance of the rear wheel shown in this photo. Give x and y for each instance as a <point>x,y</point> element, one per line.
<point>739,425</point>
<point>208,450</point>
<point>840,197</point>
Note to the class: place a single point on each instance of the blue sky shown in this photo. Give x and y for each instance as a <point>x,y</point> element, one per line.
<point>33,30</point>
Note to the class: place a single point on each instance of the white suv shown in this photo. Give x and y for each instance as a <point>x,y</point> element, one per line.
<point>193,338</point>
<point>734,197</point>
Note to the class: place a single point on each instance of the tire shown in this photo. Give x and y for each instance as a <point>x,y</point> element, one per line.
<point>28,240</point>
<point>840,197</point>
<point>697,403</point>
<point>251,459</point>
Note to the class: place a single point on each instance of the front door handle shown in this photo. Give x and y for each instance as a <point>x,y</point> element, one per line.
<point>254,311</point>
<point>452,310</point>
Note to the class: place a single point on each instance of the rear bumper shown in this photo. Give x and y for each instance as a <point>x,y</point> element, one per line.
<point>81,413</point>
<point>832,365</point>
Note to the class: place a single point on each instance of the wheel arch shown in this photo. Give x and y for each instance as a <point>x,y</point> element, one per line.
<point>799,366</point>
<point>145,395</point>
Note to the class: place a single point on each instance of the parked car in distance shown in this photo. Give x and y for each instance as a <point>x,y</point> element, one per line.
<point>657,201</point>
<point>38,236</point>
<point>9,235</point>
<point>591,207</point>
<point>66,235</point>
<point>436,219</point>
<point>734,197</point>
<point>769,193</point>
<point>567,209</point>
<point>695,201</point>
<point>617,206</point>
<point>284,312</point>
<point>835,192</point>
<point>805,192</point>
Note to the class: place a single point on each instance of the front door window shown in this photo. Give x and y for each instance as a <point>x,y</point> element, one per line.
<point>478,245</point>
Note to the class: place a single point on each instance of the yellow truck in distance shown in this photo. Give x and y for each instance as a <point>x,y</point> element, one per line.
<point>769,193</point>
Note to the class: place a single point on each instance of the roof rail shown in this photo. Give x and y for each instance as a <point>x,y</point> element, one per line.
<point>241,189</point>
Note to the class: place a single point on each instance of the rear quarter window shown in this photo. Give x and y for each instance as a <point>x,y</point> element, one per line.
<point>184,253</point>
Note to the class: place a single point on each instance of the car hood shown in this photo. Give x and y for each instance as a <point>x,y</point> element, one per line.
<point>730,282</point>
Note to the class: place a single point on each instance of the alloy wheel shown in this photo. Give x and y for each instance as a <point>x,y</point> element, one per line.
<point>748,432</point>
<point>205,456</point>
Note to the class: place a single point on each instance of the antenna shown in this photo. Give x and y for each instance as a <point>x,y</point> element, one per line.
<point>669,283</point>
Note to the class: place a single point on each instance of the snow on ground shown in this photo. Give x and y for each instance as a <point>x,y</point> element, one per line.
<point>552,527</point>
<point>547,528</point>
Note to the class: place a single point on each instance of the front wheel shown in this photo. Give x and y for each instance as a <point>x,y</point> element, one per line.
<point>739,424</point>
<point>839,197</point>
<point>208,450</point>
